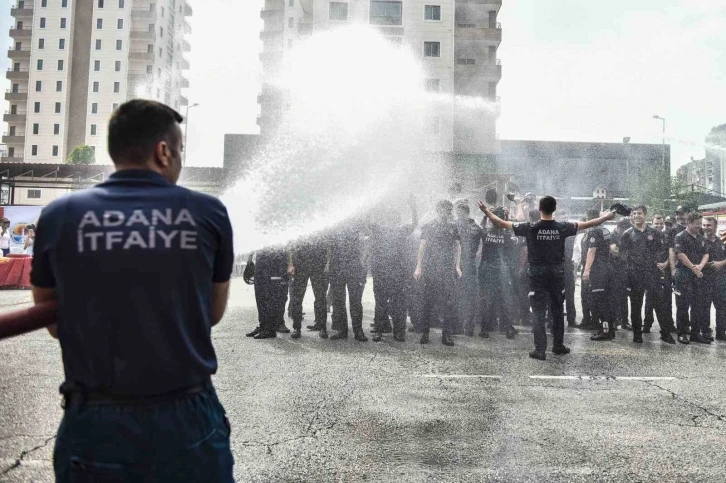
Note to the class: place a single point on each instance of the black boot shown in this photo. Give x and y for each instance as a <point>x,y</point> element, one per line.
<point>295,334</point>
<point>257,330</point>
<point>535,354</point>
<point>446,340</point>
<point>265,334</point>
<point>341,334</point>
<point>360,336</point>
<point>560,350</point>
<point>323,333</point>
<point>425,338</point>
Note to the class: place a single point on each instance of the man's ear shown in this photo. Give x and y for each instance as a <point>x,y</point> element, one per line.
<point>162,154</point>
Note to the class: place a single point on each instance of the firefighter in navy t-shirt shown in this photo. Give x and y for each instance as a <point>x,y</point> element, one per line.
<point>546,253</point>
<point>715,277</point>
<point>598,275</point>
<point>468,286</point>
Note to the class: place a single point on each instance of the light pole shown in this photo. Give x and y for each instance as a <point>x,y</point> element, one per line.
<point>186,130</point>
<point>663,148</point>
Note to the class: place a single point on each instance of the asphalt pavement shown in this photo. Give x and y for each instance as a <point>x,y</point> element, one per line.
<point>313,410</point>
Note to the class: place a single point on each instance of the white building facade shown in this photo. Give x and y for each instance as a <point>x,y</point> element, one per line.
<point>74,61</point>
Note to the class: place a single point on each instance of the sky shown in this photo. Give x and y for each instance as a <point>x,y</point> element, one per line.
<point>573,70</point>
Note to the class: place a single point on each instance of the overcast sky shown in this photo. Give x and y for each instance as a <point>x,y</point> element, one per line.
<point>573,70</point>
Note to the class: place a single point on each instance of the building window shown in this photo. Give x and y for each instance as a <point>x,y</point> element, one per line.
<point>39,64</point>
<point>162,12</point>
<point>161,32</point>
<point>95,86</point>
<point>291,3</point>
<point>59,86</point>
<point>119,45</point>
<point>33,152</point>
<point>432,13</point>
<point>94,108</point>
<point>36,108</point>
<point>120,24</point>
<point>41,44</point>
<point>466,61</point>
<point>98,44</point>
<point>432,49</point>
<point>120,3</point>
<point>42,22</point>
<point>161,52</point>
<point>116,87</point>
<point>386,13</point>
<point>55,150</point>
<point>99,23</point>
<point>64,3</point>
<point>61,44</point>
<point>34,194</point>
<point>38,86</point>
<point>18,45</point>
<point>63,23</point>
<point>100,3</point>
<point>60,64</point>
<point>36,128</point>
<point>56,129</point>
<point>97,66</point>
<point>43,3</point>
<point>338,11</point>
<point>115,106</point>
<point>93,129</point>
<point>57,107</point>
<point>149,69</point>
<point>117,66</point>
<point>291,22</point>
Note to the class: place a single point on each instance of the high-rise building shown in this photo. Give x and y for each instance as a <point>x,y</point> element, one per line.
<point>457,41</point>
<point>74,61</point>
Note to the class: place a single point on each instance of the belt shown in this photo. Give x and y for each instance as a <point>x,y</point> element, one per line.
<point>95,398</point>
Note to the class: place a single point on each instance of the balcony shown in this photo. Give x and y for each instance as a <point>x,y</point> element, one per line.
<point>22,54</point>
<point>10,117</point>
<point>185,64</point>
<point>489,71</point>
<point>143,55</point>
<point>188,12</point>
<point>186,46</point>
<point>24,33</point>
<point>488,3</point>
<point>272,32</point>
<point>139,77</point>
<point>24,12</point>
<point>148,14</point>
<point>143,34</point>
<point>183,101</point>
<point>11,159</point>
<point>18,74</point>
<point>476,33</point>
<point>269,13</point>
<point>184,83</point>
<point>19,95</point>
<point>7,139</point>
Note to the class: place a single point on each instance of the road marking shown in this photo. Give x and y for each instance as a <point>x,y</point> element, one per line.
<point>460,376</point>
<point>605,378</point>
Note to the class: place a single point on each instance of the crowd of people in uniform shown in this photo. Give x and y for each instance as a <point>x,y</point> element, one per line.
<point>460,274</point>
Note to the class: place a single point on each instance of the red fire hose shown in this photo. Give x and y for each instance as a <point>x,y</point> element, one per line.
<point>23,321</point>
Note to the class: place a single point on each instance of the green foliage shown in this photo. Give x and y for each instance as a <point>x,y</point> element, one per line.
<point>652,187</point>
<point>82,154</point>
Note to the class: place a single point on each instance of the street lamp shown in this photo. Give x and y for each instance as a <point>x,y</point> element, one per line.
<point>663,148</point>
<point>186,130</point>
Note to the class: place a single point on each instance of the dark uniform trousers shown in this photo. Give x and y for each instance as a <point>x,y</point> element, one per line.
<point>691,294</point>
<point>495,289</point>
<point>438,300</point>
<point>319,281</point>
<point>715,293</point>
<point>354,279</point>
<point>585,301</point>
<point>666,282</point>
<point>570,292</point>
<point>547,290</point>
<point>389,291</point>
<point>271,296</point>
<point>467,298</point>
<point>601,278</point>
<point>619,294</point>
<point>639,283</point>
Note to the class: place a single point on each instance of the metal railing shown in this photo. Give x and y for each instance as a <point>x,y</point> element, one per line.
<point>12,69</point>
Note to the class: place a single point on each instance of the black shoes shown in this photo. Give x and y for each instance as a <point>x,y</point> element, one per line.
<point>425,338</point>
<point>683,339</point>
<point>341,334</point>
<point>708,337</point>
<point>699,339</point>
<point>721,336</point>
<point>323,333</point>
<point>377,337</point>
<point>637,338</point>
<point>282,328</point>
<point>646,330</point>
<point>560,350</point>
<point>360,336</point>
<point>484,334</point>
<point>601,336</point>
<point>512,333</point>
<point>295,334</point>
<point>446,340</point>
<point>540,356</point>
<point>254,332</point>
<point>265,334</point>
<point>470,332</point>
<point>399,337</point>
<point>667,338</point>
<point>626,326</point>
<point>316,327</point>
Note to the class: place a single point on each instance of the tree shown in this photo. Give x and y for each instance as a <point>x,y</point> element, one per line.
<point>653,187</point>
<point>82,154</point>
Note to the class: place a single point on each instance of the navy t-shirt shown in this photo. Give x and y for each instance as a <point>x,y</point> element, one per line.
<point>439,256</point>
<point>598,238</point>
<point>546,240</point>
<point>133,261</point>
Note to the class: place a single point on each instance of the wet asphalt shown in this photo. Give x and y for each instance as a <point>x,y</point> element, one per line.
<point>313,410</point>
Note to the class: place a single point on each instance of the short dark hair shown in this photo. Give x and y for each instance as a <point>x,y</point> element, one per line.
<point>444,205</point>
<point>624,224</point>
<point>711,219</point>
<point>548,205</point>
<point>642,208</point>
<point>534,216</point>
<point>693,217</point>
<point>137,127</point>
<point>658,217</point>
<point>463,207</point>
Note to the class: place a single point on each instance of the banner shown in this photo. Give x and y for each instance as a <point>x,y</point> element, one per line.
<point>20,217</point>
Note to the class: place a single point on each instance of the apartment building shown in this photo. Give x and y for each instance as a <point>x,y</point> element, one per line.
<point>74,61</point>
<point>456,39</point>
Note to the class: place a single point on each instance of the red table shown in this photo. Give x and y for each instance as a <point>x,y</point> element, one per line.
<point>15,272</point>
